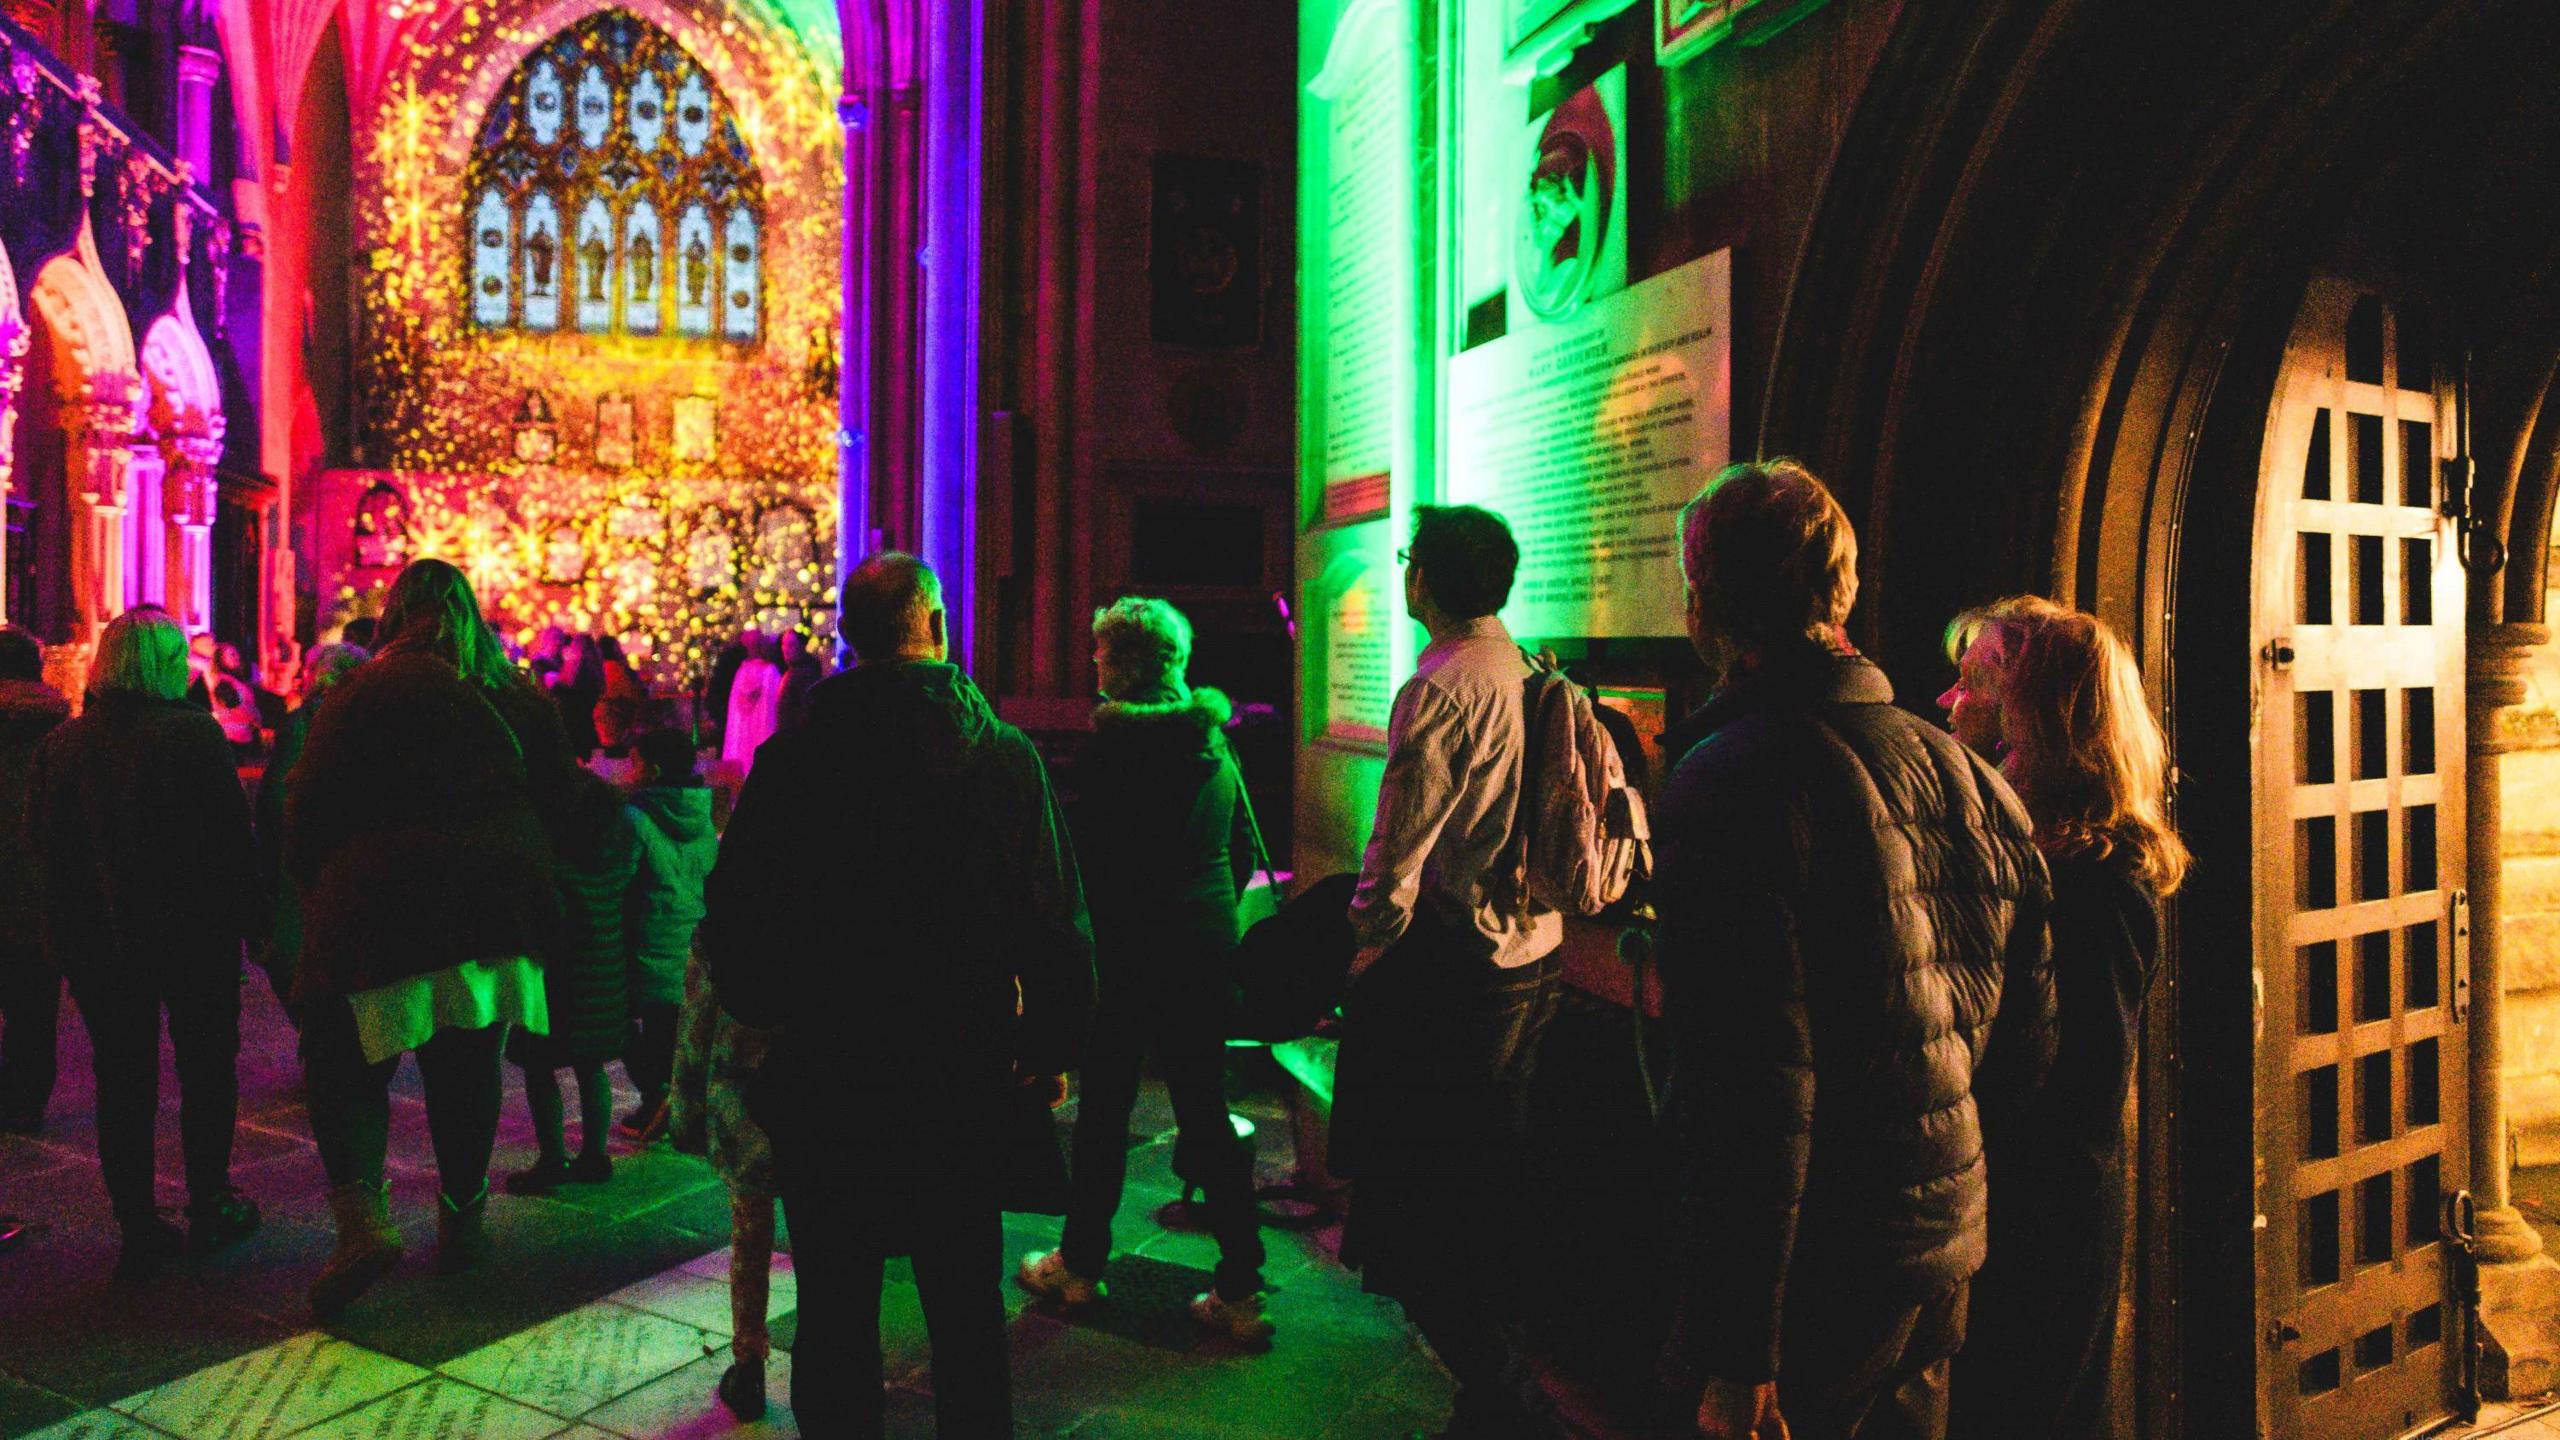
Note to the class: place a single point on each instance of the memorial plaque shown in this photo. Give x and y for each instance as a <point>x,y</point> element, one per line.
<point>570,1365</point>
<point>271,1392</point>
<point>1588,435</point>
<point>1360,599</point>
<point>439,1409</point>
<point>1364,306</point>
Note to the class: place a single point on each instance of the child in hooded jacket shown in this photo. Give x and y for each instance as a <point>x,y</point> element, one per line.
<point>670,814</point>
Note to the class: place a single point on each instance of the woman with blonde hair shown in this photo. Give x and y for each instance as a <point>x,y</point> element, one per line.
<point>148,886</point>
<point>2053,694</point>
<point>417,833</point>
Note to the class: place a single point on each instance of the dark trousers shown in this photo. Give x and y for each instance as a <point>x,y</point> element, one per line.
<point>1431,1125</point>
<point>1850,1369</point>
<point>651,1059</point>
<point>1207,1153</point>
<point>550,1117</point>
<point>839,1242</point>
<point>30,1013</point>
<point>202,998</point>
<point>350,1099</point>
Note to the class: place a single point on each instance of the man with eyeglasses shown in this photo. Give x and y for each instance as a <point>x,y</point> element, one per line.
<point>1452,988</point>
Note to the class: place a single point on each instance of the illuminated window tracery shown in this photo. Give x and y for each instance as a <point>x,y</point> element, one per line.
<point>581,161</point>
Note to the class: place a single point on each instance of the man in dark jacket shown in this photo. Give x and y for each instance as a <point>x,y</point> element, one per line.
<point>30,991</point>
<point>906,1041</point>
<point>1853,948</point>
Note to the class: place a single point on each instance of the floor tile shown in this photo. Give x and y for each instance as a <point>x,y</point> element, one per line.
<point>579,1361</point>
<point>271,1392</point>
<point>699,1300</point>
<point>435,1409</point>
<point>687,1404</point>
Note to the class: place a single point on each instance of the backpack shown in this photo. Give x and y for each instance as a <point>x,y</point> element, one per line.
<point>1580,838</point>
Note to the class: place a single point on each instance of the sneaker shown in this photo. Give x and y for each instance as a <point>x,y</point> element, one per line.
<point>1235,1319</point>
<point>591,1169</point>
<point>540,1178</point>
<point>225,1220</point>
<point>742,1390</point>
<point>1045,1274</point>
<point>150,1243</point>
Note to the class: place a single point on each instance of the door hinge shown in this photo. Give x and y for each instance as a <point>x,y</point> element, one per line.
<point>2457,905</point>
<point>2278,653</point>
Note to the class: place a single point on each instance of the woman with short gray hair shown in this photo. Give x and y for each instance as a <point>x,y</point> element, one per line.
<point>1166,840</point>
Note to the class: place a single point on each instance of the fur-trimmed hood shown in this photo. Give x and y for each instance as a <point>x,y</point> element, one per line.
<point>1200,709</point>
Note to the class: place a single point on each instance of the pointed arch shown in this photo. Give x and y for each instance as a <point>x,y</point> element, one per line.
<point>86,324</point>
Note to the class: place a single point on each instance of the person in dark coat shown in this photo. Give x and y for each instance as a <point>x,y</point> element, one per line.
<point>322,669</point>
<point>416,829</point>
<point>578,688</point>
<point>1852,949</point>
<point>670,814</point>
<point>30,989</point>
<point>585,984</point>
<point>801,673</point>
<point>2056,698</point>
<point>1167,843</point>
<point>148,876</point>
<point>955,994</point>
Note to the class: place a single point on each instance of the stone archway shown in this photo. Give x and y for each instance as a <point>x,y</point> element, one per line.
<point>96,387</point>
<point>183,430</point>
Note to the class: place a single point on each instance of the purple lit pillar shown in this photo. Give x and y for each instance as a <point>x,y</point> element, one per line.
<point>855,532</point>
<point>948,259</point>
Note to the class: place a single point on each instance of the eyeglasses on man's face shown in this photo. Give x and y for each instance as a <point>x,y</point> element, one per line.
<point>1404,557</point>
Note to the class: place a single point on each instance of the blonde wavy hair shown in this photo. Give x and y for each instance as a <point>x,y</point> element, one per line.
<point>2084,749</point>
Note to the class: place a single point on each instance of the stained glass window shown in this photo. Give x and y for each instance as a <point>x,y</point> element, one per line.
<point>611,192</point>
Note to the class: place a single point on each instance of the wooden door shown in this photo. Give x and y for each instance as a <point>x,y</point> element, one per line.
<point>2361,1094</point>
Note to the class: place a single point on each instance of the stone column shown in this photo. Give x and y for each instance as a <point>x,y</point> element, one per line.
<point>98,439</point>
<point>199,70</point>
<point>2494,681</point>
<point>13,374</point>
<point>2519,1283</point>
<point>187,500</point>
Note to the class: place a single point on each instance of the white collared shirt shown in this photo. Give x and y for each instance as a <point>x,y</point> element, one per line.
<point>1456,743</point>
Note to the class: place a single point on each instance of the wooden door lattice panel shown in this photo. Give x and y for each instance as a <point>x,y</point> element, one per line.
<point>2360,841</point>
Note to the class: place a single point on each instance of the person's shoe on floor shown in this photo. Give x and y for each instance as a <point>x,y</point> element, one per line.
<point>1239,1320</point>
<point>1044,1273</point>
<point>224,1220</point>
<point>540,1178</point>
<point>742,1390</point>
<point>462,1232</point>
<point>150,1243</point>
<point>646,1122</point>
<point>367,1247</point>
<point>593,1169</point>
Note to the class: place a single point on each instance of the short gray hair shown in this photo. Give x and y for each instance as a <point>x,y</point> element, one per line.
<point>1146,631</point>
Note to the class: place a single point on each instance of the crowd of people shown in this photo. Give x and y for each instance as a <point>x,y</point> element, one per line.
<point>1904,967</point>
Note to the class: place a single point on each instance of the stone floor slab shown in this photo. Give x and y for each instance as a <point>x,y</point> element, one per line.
<point>438,1408</point>
<point>271,1392</point>
<point>583,1359</point>
<point>99,1425</point>
<point>699,1300</point>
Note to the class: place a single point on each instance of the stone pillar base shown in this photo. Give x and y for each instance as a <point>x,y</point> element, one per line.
<point>2520,1313</point>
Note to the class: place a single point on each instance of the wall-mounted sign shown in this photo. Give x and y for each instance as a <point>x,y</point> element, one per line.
<point>616,431</point>
<point>1588,435</point>
<point>696,426</point>
<point>1363,308</point>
